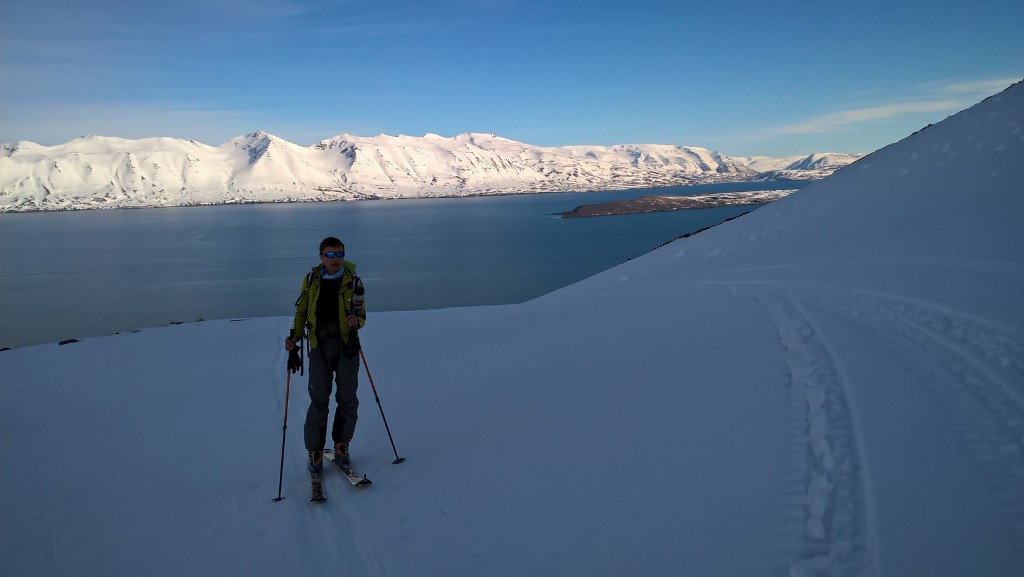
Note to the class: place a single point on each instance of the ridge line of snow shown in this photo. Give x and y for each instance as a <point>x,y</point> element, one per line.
<point>110,172</point>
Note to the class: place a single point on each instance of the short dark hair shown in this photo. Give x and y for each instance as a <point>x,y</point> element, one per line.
<point>331,241</point>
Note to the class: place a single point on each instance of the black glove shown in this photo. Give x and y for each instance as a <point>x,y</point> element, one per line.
<point>351,348</point>
<point>294,361</point>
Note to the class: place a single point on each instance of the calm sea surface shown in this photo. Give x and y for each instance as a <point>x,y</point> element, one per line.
<point>88,273</point>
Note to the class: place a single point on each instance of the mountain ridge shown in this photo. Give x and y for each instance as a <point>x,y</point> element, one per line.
<point>111,172</point>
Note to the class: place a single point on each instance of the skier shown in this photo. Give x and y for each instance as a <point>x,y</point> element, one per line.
<point>325,306</point>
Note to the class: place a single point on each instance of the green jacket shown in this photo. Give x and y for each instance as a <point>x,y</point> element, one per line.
<point>305,305</point>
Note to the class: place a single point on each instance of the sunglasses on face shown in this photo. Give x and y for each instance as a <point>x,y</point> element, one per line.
<point>339,254</point>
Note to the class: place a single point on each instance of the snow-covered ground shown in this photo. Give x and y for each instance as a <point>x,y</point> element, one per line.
<point>103,172</point>
<point>830,385</point>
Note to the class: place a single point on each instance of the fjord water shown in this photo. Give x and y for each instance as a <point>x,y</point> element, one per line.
<point>88,273</point>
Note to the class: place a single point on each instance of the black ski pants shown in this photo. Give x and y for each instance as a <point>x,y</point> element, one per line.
<point>328,366</point>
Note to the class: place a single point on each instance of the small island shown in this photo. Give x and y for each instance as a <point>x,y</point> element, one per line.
<point>667,203</point>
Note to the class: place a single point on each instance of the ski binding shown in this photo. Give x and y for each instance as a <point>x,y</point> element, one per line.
<point>356,479</point>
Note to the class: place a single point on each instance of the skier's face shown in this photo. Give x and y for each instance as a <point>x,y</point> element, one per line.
<point>333,262</point>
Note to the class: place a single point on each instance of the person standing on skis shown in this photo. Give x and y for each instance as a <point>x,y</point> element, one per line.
<point>325,306</point>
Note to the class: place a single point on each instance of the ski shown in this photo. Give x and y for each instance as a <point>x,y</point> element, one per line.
<point>316,491</point>
<point>356,479</point>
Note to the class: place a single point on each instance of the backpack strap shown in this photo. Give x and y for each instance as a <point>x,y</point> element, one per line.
<point>305,288</point>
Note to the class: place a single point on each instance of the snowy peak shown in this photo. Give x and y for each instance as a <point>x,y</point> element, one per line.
<point>682,162</point>
<point>810,167</point>
<point>256,144</point>
<point>107,172</point>
<point>262,146</point>
<point>823,162</point>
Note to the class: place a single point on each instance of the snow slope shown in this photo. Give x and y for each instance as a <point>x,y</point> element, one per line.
<point>101,172</point>
<point>830,385</point>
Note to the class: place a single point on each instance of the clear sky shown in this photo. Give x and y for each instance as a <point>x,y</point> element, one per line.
<point>749,77</point>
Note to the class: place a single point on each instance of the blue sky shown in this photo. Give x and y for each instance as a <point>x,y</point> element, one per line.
<point>742,77</point>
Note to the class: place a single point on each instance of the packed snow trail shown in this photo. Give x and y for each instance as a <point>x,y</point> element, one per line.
<point>830,491</point>
<point>332,535</point>
<point>971,370</point>
<point>966,366</point>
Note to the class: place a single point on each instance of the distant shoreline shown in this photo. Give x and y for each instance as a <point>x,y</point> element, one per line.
<point>669,203</point>
<point>367,196</point>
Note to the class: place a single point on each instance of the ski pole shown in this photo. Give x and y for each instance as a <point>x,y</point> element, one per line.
<point>358,295</point>
<point>377,398</point>
<point>284,433</point>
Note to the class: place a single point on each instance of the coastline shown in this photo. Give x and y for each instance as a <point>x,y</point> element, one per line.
<point>126,203</point>
<point>669,203</point>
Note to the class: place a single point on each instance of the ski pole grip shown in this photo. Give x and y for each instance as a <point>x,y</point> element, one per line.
<point>358,295</point>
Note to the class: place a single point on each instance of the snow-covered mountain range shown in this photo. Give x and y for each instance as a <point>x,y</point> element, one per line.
<point>107,172</point>
<point>813,166</point>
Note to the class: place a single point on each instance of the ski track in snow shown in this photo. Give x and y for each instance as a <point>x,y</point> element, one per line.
<point>331,537</point>
<point>344,521</point>
<point>969,366</point>
<point>827,530</point>
<point>350,552</point>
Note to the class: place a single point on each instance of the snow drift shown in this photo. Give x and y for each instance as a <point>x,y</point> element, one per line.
<point>830,385</point>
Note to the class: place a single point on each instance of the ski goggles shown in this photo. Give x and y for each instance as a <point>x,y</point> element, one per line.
<point>339,254</point>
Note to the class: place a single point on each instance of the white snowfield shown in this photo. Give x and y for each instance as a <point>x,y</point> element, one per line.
<point>830,385</point>
<point>104,172</point>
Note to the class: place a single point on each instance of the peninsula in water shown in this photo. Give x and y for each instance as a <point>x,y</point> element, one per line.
<point>666,203</point>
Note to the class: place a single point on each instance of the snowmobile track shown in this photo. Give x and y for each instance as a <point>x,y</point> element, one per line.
<point>827,492</point>
<point>971,368</point>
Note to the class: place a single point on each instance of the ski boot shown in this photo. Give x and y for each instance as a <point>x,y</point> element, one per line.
<point>316,482</point>
<point>341,455</point>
